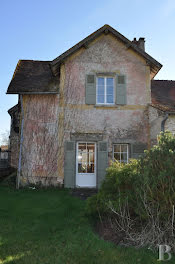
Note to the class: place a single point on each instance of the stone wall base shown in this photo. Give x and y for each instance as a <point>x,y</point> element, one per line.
<point>41,181</point>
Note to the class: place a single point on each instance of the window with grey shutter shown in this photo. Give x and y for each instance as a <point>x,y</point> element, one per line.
<point>69,164</point>
<point>102,161</point>
<point>90,89</point>
<point>121,89</point>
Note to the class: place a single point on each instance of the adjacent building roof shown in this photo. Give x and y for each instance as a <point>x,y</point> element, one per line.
<point>14,109</point>
<point>33,77</point>
<point>163,94</point>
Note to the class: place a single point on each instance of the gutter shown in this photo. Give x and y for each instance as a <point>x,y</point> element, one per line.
<point>163,122</point>
<point>21,142</point>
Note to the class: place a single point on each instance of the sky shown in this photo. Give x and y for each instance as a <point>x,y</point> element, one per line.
<point>43,29</point>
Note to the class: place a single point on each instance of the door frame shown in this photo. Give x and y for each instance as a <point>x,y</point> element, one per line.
<point>95,164</point>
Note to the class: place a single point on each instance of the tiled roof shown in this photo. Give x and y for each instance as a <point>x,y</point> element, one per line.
<point>163,94</point>
<point>33,77</point>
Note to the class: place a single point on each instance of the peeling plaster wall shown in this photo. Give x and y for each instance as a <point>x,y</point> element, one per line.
<point>49,120</point>
<point>155,118</point>
<point>40,146</point>
<point>129,123</point>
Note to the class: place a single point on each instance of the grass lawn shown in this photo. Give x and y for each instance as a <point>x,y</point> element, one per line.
<point>50,227</point>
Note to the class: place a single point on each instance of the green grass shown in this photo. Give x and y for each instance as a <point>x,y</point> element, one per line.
<point>50,227</point>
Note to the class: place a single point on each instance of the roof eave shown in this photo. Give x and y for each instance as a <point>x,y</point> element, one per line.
<point>19,92</point>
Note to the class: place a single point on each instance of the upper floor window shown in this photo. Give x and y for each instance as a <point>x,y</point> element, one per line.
<point>121,152</point>
<point>105,90</point>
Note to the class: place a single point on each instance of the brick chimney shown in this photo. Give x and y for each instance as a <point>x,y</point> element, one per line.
<point>139,43</point>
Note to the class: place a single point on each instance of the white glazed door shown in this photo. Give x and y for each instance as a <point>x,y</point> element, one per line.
<point>86,165</point>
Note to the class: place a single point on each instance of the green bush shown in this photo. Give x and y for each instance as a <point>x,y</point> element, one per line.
<point>146,185</point>
<point>118,188</point>
<point>156,178</point>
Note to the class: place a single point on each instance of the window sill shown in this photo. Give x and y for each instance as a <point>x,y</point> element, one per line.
<point>106,106</point>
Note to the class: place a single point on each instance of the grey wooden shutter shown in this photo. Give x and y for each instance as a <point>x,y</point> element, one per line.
<point>90,89</point>
<point>69,164</point>
<point>121,89</point>
<point>137,150</point>
<point>102,161</point>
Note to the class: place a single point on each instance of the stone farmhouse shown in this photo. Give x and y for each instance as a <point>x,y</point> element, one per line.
<point>96,102</point>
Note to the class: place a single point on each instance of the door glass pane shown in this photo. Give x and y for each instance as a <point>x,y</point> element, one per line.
<point>79,157</point>
<point>82,168</point>
<point>91,157</point>
<point>86,157</point>
<point>90,168</point>
<point>90,150</point>
<point>90,146</point>
<point>82,147</point>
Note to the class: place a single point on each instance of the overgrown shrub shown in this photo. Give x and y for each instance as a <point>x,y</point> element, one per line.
<point>118,188</point>
<point>156,178</point>
<point>139,197</point>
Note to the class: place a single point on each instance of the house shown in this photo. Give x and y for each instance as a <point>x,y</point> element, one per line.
<point>95,102</point>
<point>4,156</point>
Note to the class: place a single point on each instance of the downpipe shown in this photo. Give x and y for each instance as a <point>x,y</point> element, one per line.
<point>163,123</point>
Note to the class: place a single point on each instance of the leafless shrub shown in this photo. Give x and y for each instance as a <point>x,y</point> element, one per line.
<point>149,233</point>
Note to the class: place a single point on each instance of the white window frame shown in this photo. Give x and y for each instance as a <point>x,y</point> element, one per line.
<point>119,144</point>
<point>105,88</point>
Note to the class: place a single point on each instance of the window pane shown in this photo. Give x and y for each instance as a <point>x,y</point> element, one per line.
<point>117,156</point>
<point>100,99</point>
<point>101,90</point>
<point>110,99</point>
<point>82,168</point>
<point>110,81</point>
<point>123,148</point>
<point>101,81</point>
<point>117,148</point>
<point>123,156</point>
<point>110,90</point>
